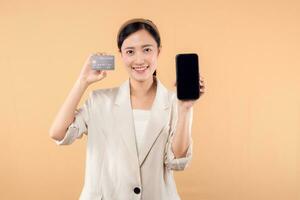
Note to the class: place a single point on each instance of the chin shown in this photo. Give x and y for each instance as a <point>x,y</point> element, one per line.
<point>141,78</point>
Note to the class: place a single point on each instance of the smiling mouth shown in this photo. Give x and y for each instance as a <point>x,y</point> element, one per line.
<point>140,68</point>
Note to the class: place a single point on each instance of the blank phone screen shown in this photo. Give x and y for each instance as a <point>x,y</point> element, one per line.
<point>187,76</point>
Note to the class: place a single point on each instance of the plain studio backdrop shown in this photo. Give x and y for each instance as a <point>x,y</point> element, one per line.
<point>246,128</point>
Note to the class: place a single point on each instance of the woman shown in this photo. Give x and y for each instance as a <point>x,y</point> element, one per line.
<point>138,133</point>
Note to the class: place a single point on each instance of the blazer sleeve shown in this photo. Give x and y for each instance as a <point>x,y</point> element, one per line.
<point>80,124</point>
<point>171,162</point>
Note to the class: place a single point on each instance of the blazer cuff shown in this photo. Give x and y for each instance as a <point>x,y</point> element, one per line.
<point>75,130</point>
<point>178,164</point>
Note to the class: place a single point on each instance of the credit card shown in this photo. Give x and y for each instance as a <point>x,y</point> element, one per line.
<point>103,62</point>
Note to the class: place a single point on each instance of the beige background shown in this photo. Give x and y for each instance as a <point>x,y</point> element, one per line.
<point>246,128</point>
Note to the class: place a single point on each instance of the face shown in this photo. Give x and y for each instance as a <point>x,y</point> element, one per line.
<point>139,53</point>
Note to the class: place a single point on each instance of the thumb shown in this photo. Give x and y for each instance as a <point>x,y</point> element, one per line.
<point>102,75</point>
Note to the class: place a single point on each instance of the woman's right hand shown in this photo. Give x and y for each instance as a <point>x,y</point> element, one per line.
<point>88,75</point>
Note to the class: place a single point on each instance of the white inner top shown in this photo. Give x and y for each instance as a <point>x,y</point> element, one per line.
<point>141,118</point>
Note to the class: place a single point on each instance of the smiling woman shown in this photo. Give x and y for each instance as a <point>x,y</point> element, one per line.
<point>139,53</point>
<point>138,133</point>
<point>148,28</point>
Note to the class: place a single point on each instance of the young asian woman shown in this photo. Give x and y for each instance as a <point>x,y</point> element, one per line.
<point>137,133</point>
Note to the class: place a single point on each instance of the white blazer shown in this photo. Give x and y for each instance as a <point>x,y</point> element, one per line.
<point>114,169</point>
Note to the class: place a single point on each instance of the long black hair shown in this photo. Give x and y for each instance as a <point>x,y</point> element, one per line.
<point>134,25</point>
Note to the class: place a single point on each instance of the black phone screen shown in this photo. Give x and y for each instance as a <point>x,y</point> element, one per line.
<point>187,76</point>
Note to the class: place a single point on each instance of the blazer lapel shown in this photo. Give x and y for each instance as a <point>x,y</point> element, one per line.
<point>158,119</point>
<point>124,119</point>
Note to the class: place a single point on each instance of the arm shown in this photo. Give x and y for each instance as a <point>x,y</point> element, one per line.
<point>66,114</point>
<point>180,144</point>
<point>178,152</point>
<point>182,137</point>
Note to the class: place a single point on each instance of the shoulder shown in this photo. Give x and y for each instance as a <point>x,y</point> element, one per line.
<point>105,94</point>
<point>172,99</point>
<point>166,92</point>
<point>172,95</point>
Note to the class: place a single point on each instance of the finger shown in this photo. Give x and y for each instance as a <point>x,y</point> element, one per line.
<point>90,55</point>
<point>202,87</point>
<point>99,72</point>
<point>201,83</point>
<point>88,61</point>
<point>102,75</point>
<point>101,53</point>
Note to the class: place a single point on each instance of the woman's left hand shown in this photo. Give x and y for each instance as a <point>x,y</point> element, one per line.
<point>184,105</point>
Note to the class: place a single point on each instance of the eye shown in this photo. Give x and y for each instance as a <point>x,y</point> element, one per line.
<point>148,49</point>
<point>129,52</point>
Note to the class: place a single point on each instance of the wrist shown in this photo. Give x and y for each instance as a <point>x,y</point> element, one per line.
<point>183,111</point>
<point>82,83</point>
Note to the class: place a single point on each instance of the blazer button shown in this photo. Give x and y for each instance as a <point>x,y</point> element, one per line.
<point>137,190</point>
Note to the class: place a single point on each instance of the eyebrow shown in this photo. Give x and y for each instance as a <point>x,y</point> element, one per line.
<point>145,45</point>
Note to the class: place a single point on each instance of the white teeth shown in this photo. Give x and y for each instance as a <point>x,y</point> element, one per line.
<point>139,68</point>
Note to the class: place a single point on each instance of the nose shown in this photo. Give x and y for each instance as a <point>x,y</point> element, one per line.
<point>139,59</point>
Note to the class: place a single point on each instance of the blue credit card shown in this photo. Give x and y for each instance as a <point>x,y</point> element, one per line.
<point>103,62</point>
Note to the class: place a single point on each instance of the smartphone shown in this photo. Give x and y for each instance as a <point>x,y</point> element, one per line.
<point>187,76</point>
<point>103,62</point>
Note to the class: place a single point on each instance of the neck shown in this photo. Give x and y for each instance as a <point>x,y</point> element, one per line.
<point>139,89</point>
